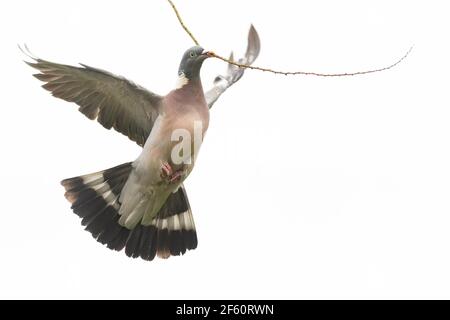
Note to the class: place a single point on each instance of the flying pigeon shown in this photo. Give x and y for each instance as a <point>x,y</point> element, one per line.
<point>142,205</point>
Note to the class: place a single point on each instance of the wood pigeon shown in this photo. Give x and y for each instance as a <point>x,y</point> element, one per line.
<point>142,205</point>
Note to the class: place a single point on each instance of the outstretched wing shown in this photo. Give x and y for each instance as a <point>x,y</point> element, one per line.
<point>113,100</point>
<point>234,73</point>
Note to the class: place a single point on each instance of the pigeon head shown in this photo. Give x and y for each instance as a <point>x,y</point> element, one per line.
<point>192,62</point>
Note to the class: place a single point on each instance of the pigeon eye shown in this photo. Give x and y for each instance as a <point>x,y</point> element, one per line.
<point>192,54</point>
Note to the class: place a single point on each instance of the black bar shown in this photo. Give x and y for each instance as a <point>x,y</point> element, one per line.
<point>225,309</point>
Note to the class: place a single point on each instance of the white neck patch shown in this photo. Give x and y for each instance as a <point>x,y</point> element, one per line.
<point>182,81</point>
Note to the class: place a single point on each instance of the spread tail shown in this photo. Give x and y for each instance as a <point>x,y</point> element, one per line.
<point>95,199</point>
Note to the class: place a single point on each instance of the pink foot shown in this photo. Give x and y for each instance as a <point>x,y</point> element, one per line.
<point>176,176</point>
<point>169,175</point>
<point>166,170</point>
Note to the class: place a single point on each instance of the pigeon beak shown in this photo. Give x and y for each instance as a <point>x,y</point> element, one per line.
<point>207,54</point>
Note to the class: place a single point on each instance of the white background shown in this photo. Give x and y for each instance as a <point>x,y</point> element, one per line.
<point>305,187</point>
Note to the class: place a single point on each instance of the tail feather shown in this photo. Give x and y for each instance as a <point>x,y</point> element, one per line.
<point>95,199</point>
<point>171,233</point>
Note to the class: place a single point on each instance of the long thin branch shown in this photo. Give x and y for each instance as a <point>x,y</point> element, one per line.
<point>305,73</point>
<point>182,23</point>
<point>286,73</point>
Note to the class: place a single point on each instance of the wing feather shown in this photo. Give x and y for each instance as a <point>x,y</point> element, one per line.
<point>113,100</point>
<point>234,73</point>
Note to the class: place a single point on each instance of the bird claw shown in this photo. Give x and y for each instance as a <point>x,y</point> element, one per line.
<point>166,170</point>
<point>169,175</point>
<point>176,176</point>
